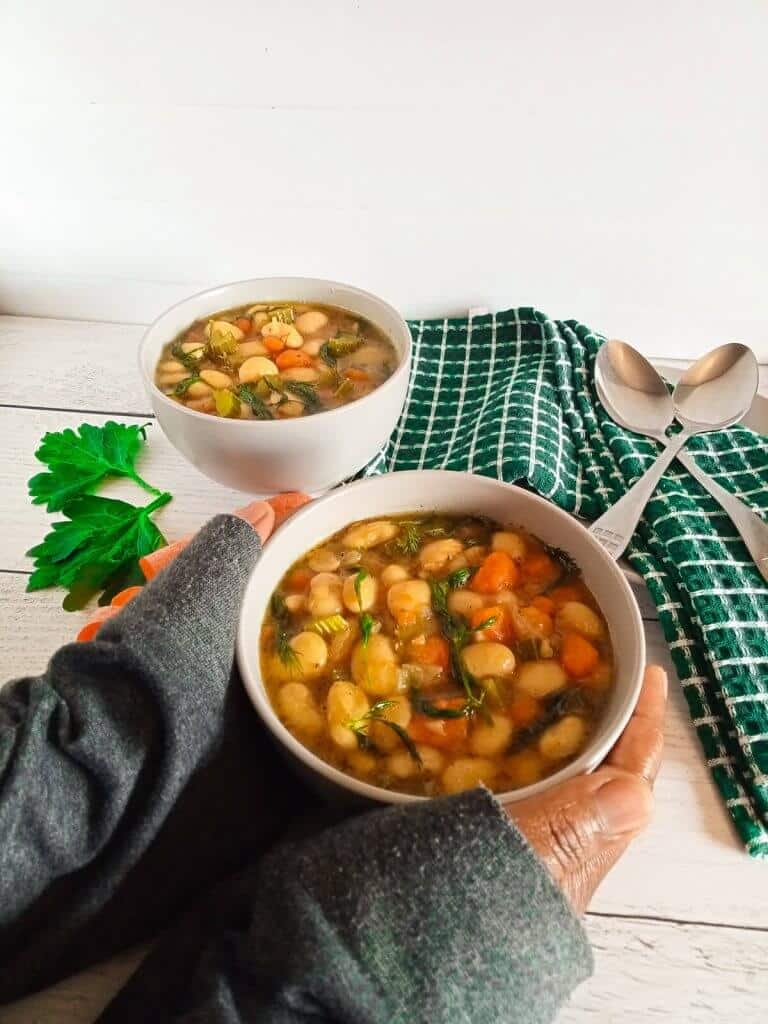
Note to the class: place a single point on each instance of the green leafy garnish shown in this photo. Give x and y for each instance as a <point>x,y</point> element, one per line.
<point>457,635</point>
<point>569,702</point>
<point>426,707</point>
<point>459,578</point>
<point>367,624</point>
<point>99,540</point>
<point>258,406</point>
<point>222,338</point>
<point>283,649</point>
<point>360,576</point>
<point>375,713</point>
<point>413,533</point>
<point>485,624</point>
<point>565,562</point>
<point>329,625</point>
<point>327,356</point>
<point>80,459</point>
<point>189,360</point>
<point>284,314</point>
<point>344,345</point>
<point>305,392</point>
<point>184,385</point>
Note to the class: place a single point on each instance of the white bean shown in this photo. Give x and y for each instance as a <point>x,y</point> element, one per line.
<point>311,348</point>
<point>290,410</point>
<point>490,738</point>
<point>198,390</point>
<point>368,588</point>
<point>435,556</point>
<point>511,543</point>
<point>295,603</point>
<point>345,703</point>
<point>524,768</point>
<point>488,659</point>
<point>301,374</point>
<point>409,596</point>
<point>563,738</point>
<point>374,667</point>
<point>393,574</point>
<point>246,349</point>
<point>165,379</point>
<point>255,368</point>
<point>579,618</point>
<point>216,379</point>
<point>398,712</point>
<point>170,366</point>
<point>468,772</point>
<point>202,404</point>
<point>464,602</point>
<point>325,595</point>
<point>297,707</point>
<point>323,560</point>
<point>369,535</point>
<point>312,321</point>
<point>312,652</point>
<point>540,678</point>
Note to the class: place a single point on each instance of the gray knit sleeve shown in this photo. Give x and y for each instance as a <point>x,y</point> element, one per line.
<point>99,757</point>
<point>430,913</point>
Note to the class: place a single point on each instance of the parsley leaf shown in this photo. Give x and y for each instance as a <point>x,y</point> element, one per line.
<point>100,539</point>
<point>78,460</point>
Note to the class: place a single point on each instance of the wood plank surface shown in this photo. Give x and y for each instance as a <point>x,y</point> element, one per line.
<point>680,927</point>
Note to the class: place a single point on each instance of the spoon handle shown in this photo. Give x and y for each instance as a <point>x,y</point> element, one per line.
<point>754,532</point>
<point>615,527</point>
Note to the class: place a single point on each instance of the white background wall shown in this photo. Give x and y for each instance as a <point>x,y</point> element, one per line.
<point>598,159</point>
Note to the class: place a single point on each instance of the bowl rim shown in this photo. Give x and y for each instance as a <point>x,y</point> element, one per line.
<point>155,394</point>
<point>589,759</point>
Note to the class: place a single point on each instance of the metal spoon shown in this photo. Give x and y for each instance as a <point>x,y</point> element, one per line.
<point>713,393</point>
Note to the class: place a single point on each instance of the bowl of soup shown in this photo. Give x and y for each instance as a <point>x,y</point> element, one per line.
<point>278,384</point>
<point>421,633</point>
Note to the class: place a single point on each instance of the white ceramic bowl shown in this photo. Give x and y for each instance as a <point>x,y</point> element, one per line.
<point>310,453</point>
<point>462,494</point>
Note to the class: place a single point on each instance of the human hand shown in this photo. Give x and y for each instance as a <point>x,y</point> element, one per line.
<point>581,828</point>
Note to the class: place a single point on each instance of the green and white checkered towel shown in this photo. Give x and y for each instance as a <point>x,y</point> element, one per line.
<point>511,395</point>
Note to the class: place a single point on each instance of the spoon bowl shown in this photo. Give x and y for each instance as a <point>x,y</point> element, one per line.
<point>718,390</point>
<point>632,390</point>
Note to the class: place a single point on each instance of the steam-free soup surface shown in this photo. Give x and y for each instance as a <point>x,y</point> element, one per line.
<point>429,654</point>
<point>275,361</point>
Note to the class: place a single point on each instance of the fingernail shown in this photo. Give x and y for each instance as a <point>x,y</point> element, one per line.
<point>623,805</point>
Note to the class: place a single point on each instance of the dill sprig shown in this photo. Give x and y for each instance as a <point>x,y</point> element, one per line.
<point>426,707</point>
<point>456,633</point>
<point>283,648</point>
<point>189,360</point>
<point>459,578</point>
<point>375,713</point>
<point>258,406</point>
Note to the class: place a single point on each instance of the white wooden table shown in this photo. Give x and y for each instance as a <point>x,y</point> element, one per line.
<point>679,928</point>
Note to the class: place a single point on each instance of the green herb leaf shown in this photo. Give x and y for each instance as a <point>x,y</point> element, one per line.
<point>459,578</point>
<point>367,623</point>
<point>189,360</point>
<point>344,345</point>
<point>375,713</point>
<point>360,576</point>
<point>431,710</point>
<point>258,406</point>
<point>568,702</point>
<point>327,356</point>
<point>329,625</point>
<point>100,539</point>
<point>283,649</point>
<point>306,393</point>
<point>485,624</point>
<point>184,385</point>
<point>79,460</point>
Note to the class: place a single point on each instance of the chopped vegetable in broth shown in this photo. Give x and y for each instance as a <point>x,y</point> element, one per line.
<point>432,653</point>
<point>275,361</point>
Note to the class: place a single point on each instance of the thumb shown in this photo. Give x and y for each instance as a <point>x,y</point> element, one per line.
<point>580,821</point>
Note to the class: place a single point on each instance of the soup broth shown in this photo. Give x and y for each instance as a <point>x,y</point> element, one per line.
<point>275,361</point>
<point>429,654</point>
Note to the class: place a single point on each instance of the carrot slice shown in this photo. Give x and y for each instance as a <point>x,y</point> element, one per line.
<point>245,324</point>
<point>151,565</point>
<point>568,592</point>
<point>286,504</point>
<point>290,359</point>
<point>540,568</point>
<point>501,630</point>
<point>523,709</point>
<point>273,344</point>
<point>434,651</point>
<point>538,620</point>
<point>578,656</point>
<point>544,604</point>
<point>354,374</point>
<point>125,596</point>
<point>444,733</point>
<point>299,579</point>
<point>497,572</point>
<point>91,628</point>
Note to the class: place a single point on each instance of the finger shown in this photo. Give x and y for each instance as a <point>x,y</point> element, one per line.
<point>640,747</point>
<point>260,515</point>
<point>579,820</point>
<point>286,504</point>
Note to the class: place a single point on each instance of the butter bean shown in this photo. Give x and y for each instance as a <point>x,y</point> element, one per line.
<point>216,379</point>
